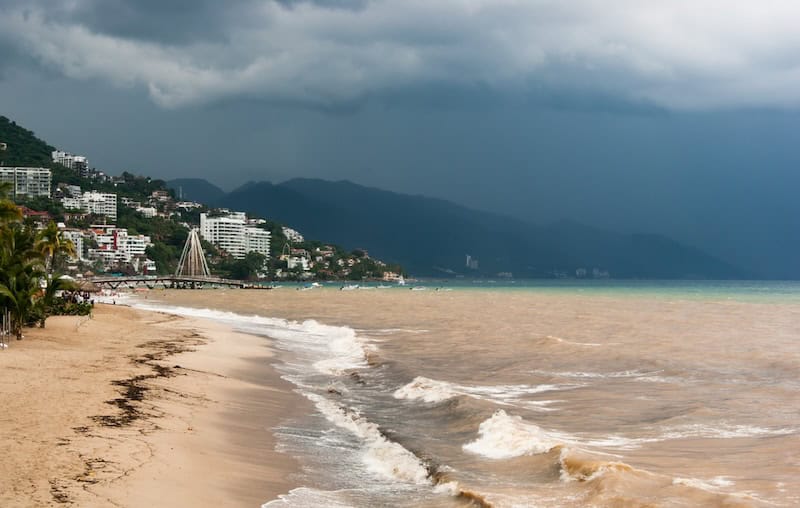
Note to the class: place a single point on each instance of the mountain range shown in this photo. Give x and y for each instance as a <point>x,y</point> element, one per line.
<point>433,237</point>
<point>428,236</point>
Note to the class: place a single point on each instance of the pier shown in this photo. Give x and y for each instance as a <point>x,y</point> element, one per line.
<point>168,282</point>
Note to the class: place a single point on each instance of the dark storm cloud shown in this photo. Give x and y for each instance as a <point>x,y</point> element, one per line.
<point>636,115</point>
<point>330,4</point>
<point>703,54</point>
<point>174,22</point>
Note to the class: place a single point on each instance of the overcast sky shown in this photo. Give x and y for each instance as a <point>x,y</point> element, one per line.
<point>680,117</point>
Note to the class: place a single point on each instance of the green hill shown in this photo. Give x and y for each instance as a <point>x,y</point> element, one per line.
<point>23,147</point>
<point>195,189</point>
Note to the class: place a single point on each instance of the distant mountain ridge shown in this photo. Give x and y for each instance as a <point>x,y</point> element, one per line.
<point>427,236</point>
<point>433,237</point>
<point>195,189</point>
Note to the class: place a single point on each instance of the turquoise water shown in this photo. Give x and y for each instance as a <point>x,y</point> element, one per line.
<point>744,291</point>
<point>723,290</point>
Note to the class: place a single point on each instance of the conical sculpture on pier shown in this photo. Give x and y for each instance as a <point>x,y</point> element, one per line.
<point>193,259</point>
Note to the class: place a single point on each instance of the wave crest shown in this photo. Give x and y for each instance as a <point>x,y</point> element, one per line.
<point>504,436</point>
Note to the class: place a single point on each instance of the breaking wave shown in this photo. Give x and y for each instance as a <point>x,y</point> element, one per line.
<point>387,458</point>
<point>433,391</point>
<point>383,456</point>
<point>504,436</point>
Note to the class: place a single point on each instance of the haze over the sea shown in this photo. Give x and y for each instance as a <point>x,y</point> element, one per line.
<point>678,118</point>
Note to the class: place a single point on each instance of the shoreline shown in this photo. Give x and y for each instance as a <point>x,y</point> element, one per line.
<point>142,408</point>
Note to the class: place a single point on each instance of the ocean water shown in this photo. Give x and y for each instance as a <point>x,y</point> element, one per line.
<point>558,394</point>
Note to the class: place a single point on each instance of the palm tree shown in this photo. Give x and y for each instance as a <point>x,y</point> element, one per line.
<point>21,270</point>
<point>19,291</point>
<point>51,243</point>
<point>45,303</point>
<point>9,212</point>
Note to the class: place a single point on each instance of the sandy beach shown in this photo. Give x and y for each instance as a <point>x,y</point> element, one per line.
<point>134,408</point>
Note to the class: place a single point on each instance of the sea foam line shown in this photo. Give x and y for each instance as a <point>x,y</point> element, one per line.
<point>433,391</point>
<point>388,458</point>
<point>337,349</point>
<point>383,456</point>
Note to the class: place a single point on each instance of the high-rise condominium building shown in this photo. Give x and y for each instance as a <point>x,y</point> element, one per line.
<point>27,181</point>
<point>231,233</point>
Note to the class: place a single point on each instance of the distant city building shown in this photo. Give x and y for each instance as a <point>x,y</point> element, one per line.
<point>472,263</point>
<point>98,203</point>
<point>27,181</point>
<point>160,195</point>
<point>115,245</point>
<point>257,240</point>
<point>293,235</point>
<point>130,202</point>
<point>231,233</point>
<point>101,203</point>
<point>77,163</point>
<point>143,265</point>
<point>188,205</point>
<point>392,277</point>
<point>63,190</point>
<point>39,217</point>
<point>76,237</point>
<point>148,212</point>
<point>293,262</point>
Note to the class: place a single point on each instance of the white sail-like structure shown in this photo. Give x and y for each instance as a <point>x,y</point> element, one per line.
<point>193,259</point>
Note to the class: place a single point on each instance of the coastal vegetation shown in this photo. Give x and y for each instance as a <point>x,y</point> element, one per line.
<point>28,258</point>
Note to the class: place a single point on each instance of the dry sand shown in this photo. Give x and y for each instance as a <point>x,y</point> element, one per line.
<point>132,408</point>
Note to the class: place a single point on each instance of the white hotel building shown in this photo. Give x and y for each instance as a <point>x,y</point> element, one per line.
<point>231,233</point>
<point>98,203</point>
<point>75,162</point>
<point>27,181</point>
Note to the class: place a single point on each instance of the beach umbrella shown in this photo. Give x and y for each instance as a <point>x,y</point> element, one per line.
<point>88,286</point>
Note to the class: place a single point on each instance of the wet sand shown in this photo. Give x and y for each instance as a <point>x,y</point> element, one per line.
<point>134,408</point>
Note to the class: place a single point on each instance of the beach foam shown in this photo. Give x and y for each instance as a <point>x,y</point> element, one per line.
<point>722,431</point>
<point>504,436</point>
<point>434,391</point>
<point>382,456</point>
<point>572,343</point>
<point>333,349</point>
<point>712,485</point>
<point>623,374</point>
<point>305,496</point>
<point>427,390</point>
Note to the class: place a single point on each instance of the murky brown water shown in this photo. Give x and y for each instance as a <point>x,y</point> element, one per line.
<point>536,398</point>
